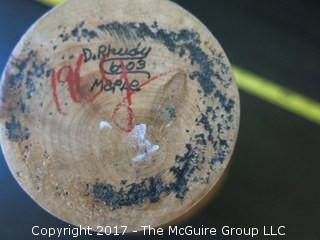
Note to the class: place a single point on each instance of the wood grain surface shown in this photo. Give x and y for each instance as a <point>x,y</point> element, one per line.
<point>118,112</point>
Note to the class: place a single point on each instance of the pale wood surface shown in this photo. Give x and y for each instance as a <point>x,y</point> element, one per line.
<point>142,154</point>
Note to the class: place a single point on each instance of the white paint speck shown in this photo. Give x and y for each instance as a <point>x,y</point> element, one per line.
<point>154,30</point>
<point>105,125</point>
<point>145,147</point>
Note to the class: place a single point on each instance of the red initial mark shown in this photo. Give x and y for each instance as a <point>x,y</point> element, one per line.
<point>72,78</point>
<point>71,75</point>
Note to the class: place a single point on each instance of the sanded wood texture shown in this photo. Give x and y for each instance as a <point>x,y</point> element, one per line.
<point>118,112</point>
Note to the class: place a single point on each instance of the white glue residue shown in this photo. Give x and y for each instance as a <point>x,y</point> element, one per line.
<point>145,147</point>
<point>105,125</point>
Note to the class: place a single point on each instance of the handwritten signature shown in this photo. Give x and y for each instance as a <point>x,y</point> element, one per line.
<point>121,66</point>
